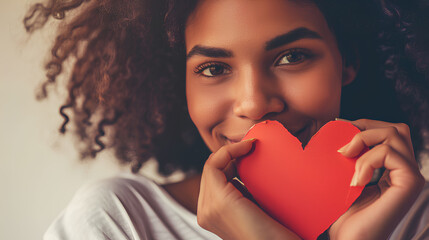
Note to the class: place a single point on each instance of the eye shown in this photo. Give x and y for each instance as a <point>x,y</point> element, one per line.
<point>212,69</point>
<point>292,57</point>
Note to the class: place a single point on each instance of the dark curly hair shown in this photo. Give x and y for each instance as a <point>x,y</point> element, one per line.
<point>128,71</point>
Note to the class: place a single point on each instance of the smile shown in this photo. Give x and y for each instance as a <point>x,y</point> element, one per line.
<point>302,134</point>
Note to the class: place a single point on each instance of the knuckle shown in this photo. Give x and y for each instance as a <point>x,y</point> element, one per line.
<point>359,138</point>
<point>384,148</point>
<point>392,131</point>
<point>209,160</point>
<point>224,152</point>
<point>403,128</point>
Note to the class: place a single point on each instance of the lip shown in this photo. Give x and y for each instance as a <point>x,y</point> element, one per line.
<point>301,134</point>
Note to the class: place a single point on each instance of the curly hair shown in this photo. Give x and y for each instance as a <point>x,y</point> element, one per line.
<point>129,69</point>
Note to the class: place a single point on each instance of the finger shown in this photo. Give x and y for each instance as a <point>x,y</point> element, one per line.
<point>403,129</point>
<point>385,156</point>
<point>385,135</point>
<point>226,154</point>
<point>219,167</point>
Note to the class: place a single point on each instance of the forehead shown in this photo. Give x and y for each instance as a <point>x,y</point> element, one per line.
<point>219,22</point>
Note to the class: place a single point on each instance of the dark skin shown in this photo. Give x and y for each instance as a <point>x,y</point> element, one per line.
<point>239,73</point>
<point>186,192</point>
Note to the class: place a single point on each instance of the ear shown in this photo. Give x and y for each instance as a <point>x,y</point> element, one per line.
<point>349,72</point>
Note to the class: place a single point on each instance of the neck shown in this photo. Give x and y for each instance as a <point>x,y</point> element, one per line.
<point>186,192</point>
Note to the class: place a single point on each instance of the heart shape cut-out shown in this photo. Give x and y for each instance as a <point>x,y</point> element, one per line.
<point>306,190</point>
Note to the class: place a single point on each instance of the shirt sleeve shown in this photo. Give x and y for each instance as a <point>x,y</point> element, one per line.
<point>98,211</point>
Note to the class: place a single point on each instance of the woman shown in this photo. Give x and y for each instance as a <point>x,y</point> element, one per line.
<point>302,63</point>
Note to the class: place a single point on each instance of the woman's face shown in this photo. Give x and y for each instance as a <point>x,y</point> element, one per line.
<point>253,60</point>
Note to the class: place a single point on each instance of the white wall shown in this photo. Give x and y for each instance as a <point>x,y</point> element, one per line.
<point>39,170</point>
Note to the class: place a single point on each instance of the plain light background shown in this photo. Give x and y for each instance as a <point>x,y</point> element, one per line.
<point>39,170</point>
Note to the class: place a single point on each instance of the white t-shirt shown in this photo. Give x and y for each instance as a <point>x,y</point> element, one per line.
<point>133,207</point>
<point>125,207</point>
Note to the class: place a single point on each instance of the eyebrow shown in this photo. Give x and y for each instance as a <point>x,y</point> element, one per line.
<point>209,52</point>
<point>294,35</point>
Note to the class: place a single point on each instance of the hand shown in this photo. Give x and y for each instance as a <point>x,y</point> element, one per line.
<point>223,210</point>
<point>379,209</point>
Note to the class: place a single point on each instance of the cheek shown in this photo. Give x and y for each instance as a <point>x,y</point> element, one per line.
<point>316,93</point>
<point>206,108</point>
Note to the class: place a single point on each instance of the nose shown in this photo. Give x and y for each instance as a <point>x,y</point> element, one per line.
<point>257,95</point>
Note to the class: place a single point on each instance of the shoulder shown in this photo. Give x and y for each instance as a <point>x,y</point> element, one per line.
<point>112,188</point>
<point>111,194</point>
<point>109,207</point>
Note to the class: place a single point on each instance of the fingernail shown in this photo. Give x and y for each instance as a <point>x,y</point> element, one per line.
<point>341,119</point>
<point>355,177</point>
<point>343,149</point>
<point>250,140</point>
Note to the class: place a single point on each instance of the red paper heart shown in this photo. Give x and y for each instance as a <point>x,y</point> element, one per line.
<point>305,190</point>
